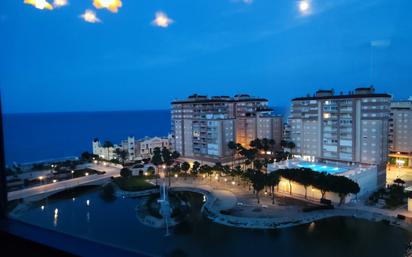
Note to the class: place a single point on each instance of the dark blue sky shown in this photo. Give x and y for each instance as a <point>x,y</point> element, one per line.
<point>55,61</point>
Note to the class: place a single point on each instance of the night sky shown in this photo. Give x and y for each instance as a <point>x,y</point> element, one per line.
<point>53,60</point>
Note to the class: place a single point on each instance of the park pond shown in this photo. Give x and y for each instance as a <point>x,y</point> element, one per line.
<point>86,214</point>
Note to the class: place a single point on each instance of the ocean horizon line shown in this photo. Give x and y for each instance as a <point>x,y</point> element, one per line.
<point>97,111</point>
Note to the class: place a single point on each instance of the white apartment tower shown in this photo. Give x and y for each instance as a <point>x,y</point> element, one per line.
<point>202,127</point>
<point>351,128</point>
<point>400,133</point>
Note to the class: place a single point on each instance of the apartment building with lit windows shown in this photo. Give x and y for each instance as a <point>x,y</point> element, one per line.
<point>351,128</point>
<point>203,126</point>
<point>400,133</point>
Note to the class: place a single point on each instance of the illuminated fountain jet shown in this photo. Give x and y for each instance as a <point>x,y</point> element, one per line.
<point>165,209</point>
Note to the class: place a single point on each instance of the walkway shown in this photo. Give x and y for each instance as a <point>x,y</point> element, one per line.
<point>266,215</point>
<point>66,184</point>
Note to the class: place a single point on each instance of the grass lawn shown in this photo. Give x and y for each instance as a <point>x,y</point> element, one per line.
<point>134,183</point>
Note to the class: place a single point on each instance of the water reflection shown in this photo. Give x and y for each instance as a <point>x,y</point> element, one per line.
<point>311,227</point>
<point>197,236</point>
<point>56,217</point>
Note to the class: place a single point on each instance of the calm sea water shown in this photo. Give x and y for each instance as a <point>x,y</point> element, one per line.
<point>34,137</point>
<point>116,223</point>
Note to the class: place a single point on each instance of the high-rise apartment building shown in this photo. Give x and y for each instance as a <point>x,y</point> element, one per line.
<point>400,133</point>
<point>202,127</point>
<point>351,128</point>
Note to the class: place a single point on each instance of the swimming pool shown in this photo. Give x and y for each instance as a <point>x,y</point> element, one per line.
<point>319,167</point>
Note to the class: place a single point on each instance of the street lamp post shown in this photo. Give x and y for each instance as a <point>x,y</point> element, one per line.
<point>72,174</point>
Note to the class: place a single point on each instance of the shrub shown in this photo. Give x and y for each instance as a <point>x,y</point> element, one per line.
<point>125,172</point>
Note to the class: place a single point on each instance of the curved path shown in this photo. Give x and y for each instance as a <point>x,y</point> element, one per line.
<point>223,199</point>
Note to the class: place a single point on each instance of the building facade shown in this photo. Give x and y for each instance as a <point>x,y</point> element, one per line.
<point>351,128</point>
<point>202,127</point>
<point>145,146</point>
<point>400,133</point>
<point>136,149</point>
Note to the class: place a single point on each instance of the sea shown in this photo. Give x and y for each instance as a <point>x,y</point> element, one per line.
<point>37,137</point>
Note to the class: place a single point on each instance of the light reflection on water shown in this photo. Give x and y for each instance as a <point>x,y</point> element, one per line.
<point>116,223</point>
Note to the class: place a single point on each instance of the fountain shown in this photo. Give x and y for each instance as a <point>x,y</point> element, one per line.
<point>165,209</point>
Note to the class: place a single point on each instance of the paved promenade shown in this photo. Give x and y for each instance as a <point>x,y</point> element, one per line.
<point>242,210</point>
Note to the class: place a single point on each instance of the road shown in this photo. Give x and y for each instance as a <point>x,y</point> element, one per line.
<point>65,184</point>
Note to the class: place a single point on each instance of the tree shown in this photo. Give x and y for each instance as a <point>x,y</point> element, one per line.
<point>107,193</point>
<point>121,154</point>
<point>256,144</point>
<point>250,154</point>
<point>86,156</point>
<point>232,146</point>
<point>238,172</point>
<point>258,179</point>
<point>195,167</point>
<point>157,159</point>
<point>291,146</point>
<point>344,186</point>
<point>272,146</point>
<point>168,159</point>
<point>185,167</point>
<point>305,178</point>
<point>272,181</point>
<point>218,168</point>
<point>125,172</point>
<point>322,182</point>
<point>288,174</point>
<point>206,169</point>
<point>150,170</point>
<point>283,143</point>
<point>107,144</point>
<point>399,182</point>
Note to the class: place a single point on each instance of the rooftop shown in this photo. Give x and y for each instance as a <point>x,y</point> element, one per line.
<point>195,98</point>
<point>361,92</point>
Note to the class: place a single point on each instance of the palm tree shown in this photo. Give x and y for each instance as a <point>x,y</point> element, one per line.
<point>258,180</point>
<point>272,146</point>
<point>232,146</point>
<point>273,180</point>
<point>168,159</point>
<point>283,143</point>
<point>291,146</point>
<point>157,159</point>
<point>256,143</point>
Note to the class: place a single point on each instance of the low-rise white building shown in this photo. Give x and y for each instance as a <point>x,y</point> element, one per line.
<point>145,146</point>
<point>136,149</point>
